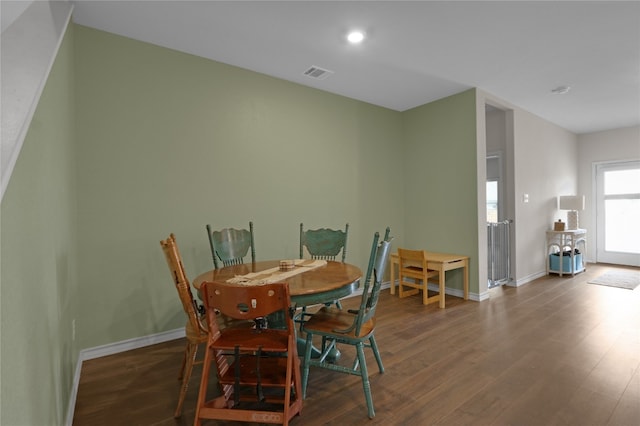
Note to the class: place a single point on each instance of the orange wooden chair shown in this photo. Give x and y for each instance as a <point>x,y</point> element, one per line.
<point>196,329</point>
<point>257,369</point>
<point>413,265</point>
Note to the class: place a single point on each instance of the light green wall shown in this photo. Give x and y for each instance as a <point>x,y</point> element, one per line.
<point>169,142</point>
<point>440,176</point>
<point>38,280</point>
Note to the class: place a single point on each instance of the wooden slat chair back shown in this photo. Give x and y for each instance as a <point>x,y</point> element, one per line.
<point>413,273</point>
<point>195,329</point>
<point>372,285</point>
<point>324,243</point>
<point>230,246</point>
<point>353,327</point>
<point>260,378</point>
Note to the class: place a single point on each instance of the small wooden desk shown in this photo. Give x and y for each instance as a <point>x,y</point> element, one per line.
<point>440,262</point>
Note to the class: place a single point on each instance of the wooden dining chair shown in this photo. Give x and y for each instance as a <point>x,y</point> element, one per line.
<point>324,243</point>
<point>351,327</point>
<point>257,369</point>
<point>196,329</point>
<point>413,273</point>
<point>230,246</point>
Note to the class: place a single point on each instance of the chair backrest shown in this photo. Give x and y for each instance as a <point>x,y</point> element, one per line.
<point>324,243</point>
<point>230,245</point>
<point>174,261</point>
<point>417,260</point>
<point>248,302</point>
<point>378,261</point>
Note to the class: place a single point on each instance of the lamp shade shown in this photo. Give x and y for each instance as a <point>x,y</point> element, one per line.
<point>571,202</point>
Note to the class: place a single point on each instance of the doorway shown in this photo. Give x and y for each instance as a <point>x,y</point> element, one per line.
<point>617,212</point>
<point>499,199</point>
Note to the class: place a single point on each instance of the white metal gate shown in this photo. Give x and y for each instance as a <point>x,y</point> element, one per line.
<point>499,270</point>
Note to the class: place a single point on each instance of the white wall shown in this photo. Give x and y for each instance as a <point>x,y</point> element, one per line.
<point>496,125</point>
<point>31,37</point>
<point>541,161</point>
<point>611,145</point>
<point>11,10</point>
<point>545,163</point>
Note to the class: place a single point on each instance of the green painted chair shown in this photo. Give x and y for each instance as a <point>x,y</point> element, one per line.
<point>230,246</point>
<point>324,243</point>
<point>351,327</point>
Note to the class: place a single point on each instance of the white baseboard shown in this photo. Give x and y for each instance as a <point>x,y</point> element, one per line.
<point>71,408</point>
<point>129,344</point>
<point>527,279</point>
<point>457,292</point>
<point>110,349</point>
<point>479,297</point>
<point>476,297</point>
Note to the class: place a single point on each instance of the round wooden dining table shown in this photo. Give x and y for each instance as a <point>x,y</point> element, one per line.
<point>323,284</point>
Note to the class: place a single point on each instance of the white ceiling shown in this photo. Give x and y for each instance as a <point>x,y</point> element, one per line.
<point>416,51</point>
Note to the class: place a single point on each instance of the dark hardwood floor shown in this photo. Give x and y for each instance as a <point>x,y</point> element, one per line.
<point>556,351</point>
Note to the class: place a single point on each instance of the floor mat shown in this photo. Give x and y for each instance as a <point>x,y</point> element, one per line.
<point>621,279</point>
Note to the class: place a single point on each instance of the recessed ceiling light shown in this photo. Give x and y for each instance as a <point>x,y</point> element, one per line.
<point>561,90</point>
<point>355,37</point>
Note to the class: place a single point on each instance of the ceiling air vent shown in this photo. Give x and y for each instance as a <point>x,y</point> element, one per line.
<point>317,73</point>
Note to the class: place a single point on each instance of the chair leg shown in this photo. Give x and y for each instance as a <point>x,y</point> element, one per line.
<point>305,367</point>
<point>425,292</point>
<point>365,379</point>
<point>300,319</point>
<point>376,353</point>
<point>209,357</point>
<point>184,361</point>
<point>287,391</point>
<point>297,384</point>
<point>189,360</point>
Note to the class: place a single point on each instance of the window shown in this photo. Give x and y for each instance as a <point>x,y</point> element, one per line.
<point>492,201</point>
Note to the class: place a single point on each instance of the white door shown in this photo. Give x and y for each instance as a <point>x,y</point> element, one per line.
<point>618,213</point>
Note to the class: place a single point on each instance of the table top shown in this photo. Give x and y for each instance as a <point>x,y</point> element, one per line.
<point>319,285</point>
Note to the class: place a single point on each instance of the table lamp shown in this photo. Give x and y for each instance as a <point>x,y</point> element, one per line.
<point>573,203</point>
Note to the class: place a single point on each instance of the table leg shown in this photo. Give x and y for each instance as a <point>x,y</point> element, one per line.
<point>441,282</point>
<point>392,274</point>
<point>465,270</point>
